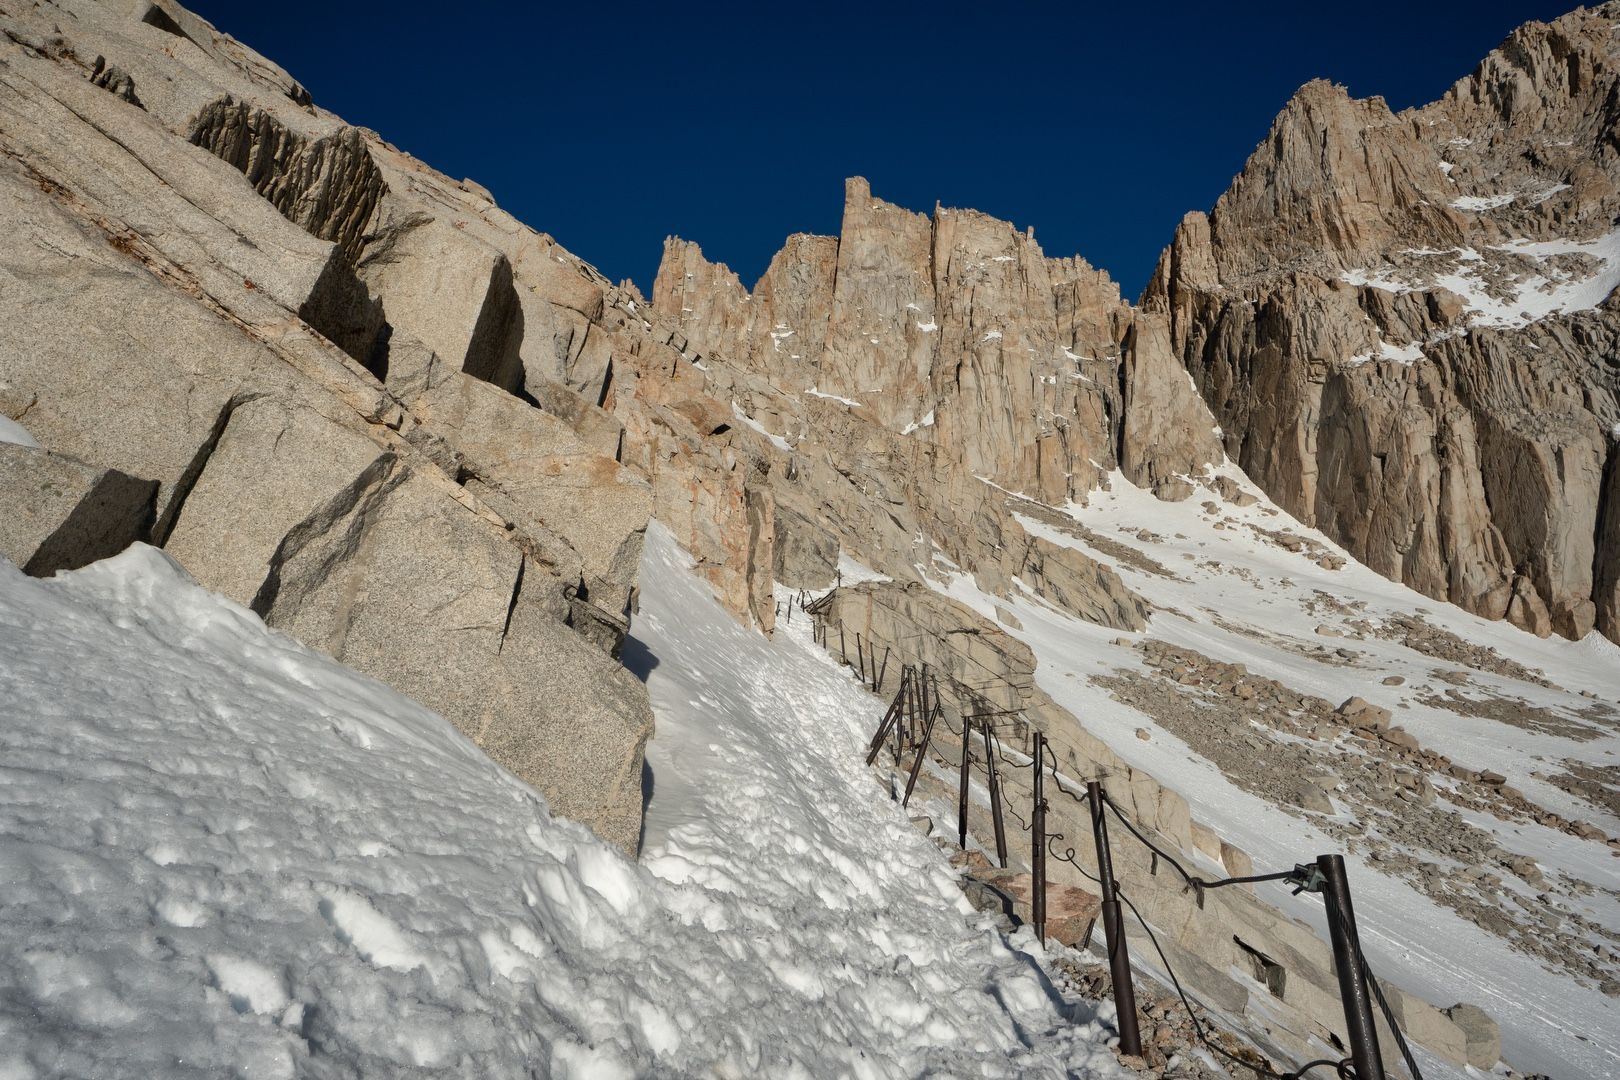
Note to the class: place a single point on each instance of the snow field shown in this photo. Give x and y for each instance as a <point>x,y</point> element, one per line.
<point>1549,1022</point>
<point>225,854</point>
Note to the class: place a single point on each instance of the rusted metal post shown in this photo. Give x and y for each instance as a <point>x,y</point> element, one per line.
<point>882,671</point>
<point>995,796</point>
<point>1119,957</point>
<point>860,658</point>
<point>892,716</point>
<point>962,795</point>
<point>842,652</point>
<point>1037,845</point>
<point>899,737</point>
<point>1358,1014</point>
<point>922,753</point>
<point>911,701</point>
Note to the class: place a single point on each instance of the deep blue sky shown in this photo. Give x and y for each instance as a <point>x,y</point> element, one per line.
<point>612,124</point>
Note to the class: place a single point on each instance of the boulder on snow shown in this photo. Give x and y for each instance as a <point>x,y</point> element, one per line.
<point>1364,715</point>
<point>61,514</point>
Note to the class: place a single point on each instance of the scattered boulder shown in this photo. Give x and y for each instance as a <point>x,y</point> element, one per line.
<point>1364,715</point>
<point>1483,1039</point>
<point>1232,493</point>
<point>1399,737</point>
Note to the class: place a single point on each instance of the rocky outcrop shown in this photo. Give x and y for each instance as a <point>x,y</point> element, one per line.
<point>1164,437</point>
<point>188,305</point>
<point>918,370</point>
<point>806,553</point>
<point>1405,329</point>
<point>957,330</point>
<point>452,292</point>
<point>328,186</point>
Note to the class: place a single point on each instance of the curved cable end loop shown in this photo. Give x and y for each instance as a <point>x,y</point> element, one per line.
<point>1197,887</point>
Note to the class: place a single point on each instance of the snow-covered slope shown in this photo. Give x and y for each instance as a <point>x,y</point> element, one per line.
<point>1225,584</point>
<point>222,853</point>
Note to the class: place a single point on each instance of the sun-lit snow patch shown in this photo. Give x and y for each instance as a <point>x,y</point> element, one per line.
<point>851,571</point>
<point>928,327</point>
<point>927,421</point>
<point>779,335</point>
<point>1408,354</point>
<point>813,392</point>
<point>1235,594</point>
<point>1557,285</point>
<point>776,440</point>
<point>992,335</point>
<point>1477,203</point>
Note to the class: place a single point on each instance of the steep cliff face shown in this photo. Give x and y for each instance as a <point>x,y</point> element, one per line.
<point>957,330</point>
<point>347,391</point>
<point>1405,327</point>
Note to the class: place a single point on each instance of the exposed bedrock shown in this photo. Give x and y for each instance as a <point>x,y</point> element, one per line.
<point>329,185</point>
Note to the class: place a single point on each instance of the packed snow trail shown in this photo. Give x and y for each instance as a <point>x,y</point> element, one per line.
<point>225,854</point>
<point>761,795</point>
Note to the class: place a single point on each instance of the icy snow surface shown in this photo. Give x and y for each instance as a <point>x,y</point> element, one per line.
<point>13,432</point>
<point>224,854</point>
<point>927,421</point>
<point>1476,203</point>
<point>1398,354</point>
<point>1258,592</point>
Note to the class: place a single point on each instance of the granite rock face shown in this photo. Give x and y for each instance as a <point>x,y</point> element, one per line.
<point>1405,326</point>
<point>292,356</point>
<point>926,373</point>
<point>954,328</point>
